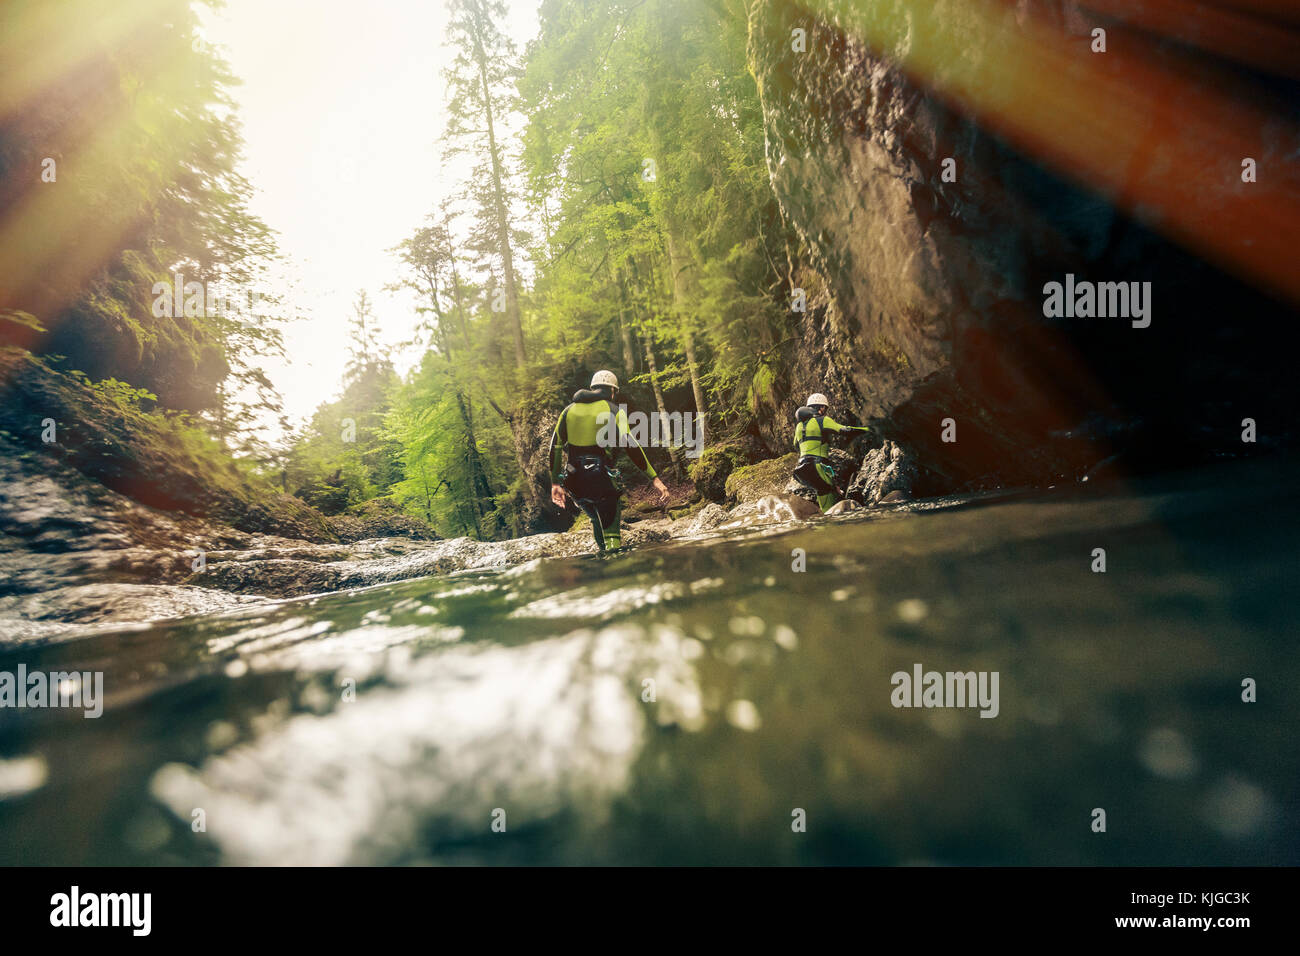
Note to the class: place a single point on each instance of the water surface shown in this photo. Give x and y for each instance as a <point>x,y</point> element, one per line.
<point>682,703</point>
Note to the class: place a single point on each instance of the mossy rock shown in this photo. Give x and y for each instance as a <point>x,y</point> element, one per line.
<point>752,482</point>
<point>712,469</point>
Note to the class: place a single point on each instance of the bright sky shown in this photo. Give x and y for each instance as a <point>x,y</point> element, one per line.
<point>343,105</point>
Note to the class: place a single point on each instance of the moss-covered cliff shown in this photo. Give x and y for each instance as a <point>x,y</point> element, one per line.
<point>149,458</point>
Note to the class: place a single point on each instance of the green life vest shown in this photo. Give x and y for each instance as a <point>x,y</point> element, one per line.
<point>812,442</point>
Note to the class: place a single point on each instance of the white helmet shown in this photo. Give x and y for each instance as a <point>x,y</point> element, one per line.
<point>817,398</point>
<point>604,377</point>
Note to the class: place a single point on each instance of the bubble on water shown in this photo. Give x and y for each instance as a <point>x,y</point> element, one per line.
<point>269,636</point>
<point>841,594</point>
<point>769,581</point>
<point>706,584</point>
<point>742,652</point>
<point>519,570</point>
<point>743,715</point>
<point>427,609</point>
<point>464,591</point>
<point>22,775</point>
<point>785,637</point>
<point>398,659</point>
<point>236,669</point>
<point>376,616</point>
<point>147,833</point>
<point>316,698</point>
<point>1237,808</point>
<point>750,625</point>
<point>683,707</point>
<point>911,611</point>
<point>221,734</point>
<point>1166,753</point>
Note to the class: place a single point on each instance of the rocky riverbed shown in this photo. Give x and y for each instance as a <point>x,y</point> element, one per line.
<point>78,555</point>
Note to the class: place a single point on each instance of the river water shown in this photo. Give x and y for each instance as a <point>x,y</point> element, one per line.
<point>705,702</point>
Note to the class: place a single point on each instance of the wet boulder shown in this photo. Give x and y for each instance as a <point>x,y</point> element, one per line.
<point>761,479</point>
<point>278,578</point>
<point>706,519</point>
<point>885,471</point>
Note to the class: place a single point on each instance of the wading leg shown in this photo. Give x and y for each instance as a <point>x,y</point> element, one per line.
<point>592,510</point>
<point>825,501</point>
<point>611,521</point>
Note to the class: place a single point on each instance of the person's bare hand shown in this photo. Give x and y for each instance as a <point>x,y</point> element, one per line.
<point>557,495</point>
<point>661,488</point>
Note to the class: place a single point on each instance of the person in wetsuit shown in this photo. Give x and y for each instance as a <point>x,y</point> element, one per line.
<point>591,429</point>
<point>812,441</point>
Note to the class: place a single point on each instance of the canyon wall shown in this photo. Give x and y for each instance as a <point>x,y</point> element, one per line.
<point>926,296</point>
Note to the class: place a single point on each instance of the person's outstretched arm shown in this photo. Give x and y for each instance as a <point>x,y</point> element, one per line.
<point>835,426</point>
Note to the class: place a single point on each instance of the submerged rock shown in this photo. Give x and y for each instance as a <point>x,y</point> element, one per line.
<point>771,509</point>
<point>706,519</point>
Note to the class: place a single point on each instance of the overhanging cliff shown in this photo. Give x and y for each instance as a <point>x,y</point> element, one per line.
<point>927,301</point>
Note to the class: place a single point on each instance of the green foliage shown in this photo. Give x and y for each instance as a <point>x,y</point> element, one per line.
<point>146,142</point>
<point>143,195</point>
<point>346,455</point>
<point>658,251</point>
<point>686,257</point>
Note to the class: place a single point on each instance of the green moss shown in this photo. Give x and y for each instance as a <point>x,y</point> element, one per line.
<point>762,388</point>
<point>888,354</point>
<point>761,478</point>
<point>711,470</point>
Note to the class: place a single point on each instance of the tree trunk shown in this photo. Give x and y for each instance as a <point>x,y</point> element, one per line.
<point>522,453</point>
<point>688,343</point>
<point>626,305</point>
<point>502,213</point>
<point>659,400</point>
<point>685,294</point>
<point>473,464</point>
